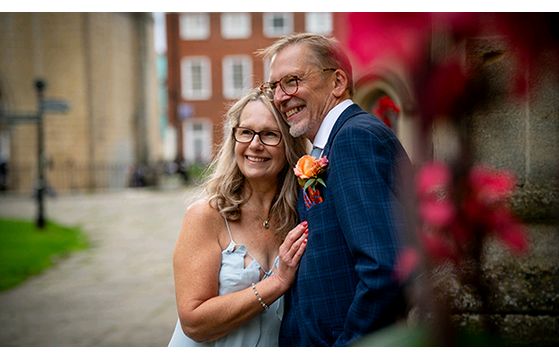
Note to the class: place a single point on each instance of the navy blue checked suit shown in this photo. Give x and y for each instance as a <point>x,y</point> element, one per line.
<point>345,286</point>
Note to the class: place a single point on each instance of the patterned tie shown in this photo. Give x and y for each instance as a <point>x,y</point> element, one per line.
<point>316,152</point>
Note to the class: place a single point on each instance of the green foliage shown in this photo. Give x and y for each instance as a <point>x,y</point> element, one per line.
<point>197,172</point>
<point>26,250</point>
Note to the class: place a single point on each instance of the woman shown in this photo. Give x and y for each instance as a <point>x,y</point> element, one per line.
<point>239,248</point>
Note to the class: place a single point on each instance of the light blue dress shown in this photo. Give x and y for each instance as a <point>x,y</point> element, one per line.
<point>263,330</point>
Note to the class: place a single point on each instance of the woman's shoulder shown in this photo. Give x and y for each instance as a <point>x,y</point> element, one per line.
<point>201,222</point>
<point>201,210</point>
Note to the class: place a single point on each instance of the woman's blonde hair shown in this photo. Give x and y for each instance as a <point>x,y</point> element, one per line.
<point>225,183</point>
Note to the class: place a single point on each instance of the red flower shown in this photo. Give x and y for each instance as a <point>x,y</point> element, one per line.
<point>438,247</point>
<point>448,228</point>
<point>508,229</point>
<point>380,36</point>
<point>406,263</point>
<point>386,110</point>
<point>437,213</point>
<point>432,179</point>
<point>491,186</point>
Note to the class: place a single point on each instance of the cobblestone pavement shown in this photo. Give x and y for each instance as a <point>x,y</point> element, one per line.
<point>119,292</point>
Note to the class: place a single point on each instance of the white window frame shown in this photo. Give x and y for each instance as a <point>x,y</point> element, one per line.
<point>319,22</point>
<point>187,85</point>
<point>268,23</point>
<point>191,136</point>
<point>194,26</point>
<point>236,25</point>
<point>231,89</point>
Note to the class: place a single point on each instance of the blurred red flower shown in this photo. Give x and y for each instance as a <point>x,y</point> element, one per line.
<point>398,36</point>
<point>386,110</point>
<point>450,222</point>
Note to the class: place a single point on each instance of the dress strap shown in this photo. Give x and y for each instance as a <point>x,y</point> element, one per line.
<point>229,231</point>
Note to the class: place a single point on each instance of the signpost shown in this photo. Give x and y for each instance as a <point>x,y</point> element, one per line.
<point>43,106</point>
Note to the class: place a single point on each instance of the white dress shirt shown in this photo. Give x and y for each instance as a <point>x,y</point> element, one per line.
<point>328,123</point>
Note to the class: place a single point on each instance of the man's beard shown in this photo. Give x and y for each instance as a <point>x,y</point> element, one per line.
<point>298,129</point>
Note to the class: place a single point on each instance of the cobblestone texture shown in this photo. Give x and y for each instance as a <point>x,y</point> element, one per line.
<point>119,292</point>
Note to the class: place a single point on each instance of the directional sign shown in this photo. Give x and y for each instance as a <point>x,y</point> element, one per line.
<point>54,105</point>
<point>45,106</point>
<point>19,118</point>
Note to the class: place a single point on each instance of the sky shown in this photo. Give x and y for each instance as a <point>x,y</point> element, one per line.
<point>159,32</point>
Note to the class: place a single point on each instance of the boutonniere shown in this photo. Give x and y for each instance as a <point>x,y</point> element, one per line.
<point>308,171</point>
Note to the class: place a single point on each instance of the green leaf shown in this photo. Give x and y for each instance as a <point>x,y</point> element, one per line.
<point>309,182</point>
<point>321,182</point>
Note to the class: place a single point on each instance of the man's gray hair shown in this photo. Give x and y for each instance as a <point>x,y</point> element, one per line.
<point>327,51</point>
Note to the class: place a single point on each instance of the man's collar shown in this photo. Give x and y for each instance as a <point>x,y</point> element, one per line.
<point>328,123</point>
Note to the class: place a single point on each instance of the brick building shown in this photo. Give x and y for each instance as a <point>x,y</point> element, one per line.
<point>211,63</point>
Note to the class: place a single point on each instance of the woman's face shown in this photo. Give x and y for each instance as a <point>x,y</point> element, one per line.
<point>256,160</point>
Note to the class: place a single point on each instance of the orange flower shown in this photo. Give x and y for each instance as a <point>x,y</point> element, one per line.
<point>307,170</point>
<point>306,167</point>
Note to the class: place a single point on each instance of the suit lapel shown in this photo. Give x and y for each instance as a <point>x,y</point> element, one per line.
<point>348,113</point>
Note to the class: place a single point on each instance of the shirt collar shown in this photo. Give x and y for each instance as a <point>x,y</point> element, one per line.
<point>328,123</point>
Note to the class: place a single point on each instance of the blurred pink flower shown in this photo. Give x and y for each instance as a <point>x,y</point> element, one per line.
<point>448,228</point>
<point>438,247</point>
<point>400,36</point>
<point>437,213</point>
<point>407,262</point>
<point>491,186</point>
<point>432,179</point>
<point>509,229</point>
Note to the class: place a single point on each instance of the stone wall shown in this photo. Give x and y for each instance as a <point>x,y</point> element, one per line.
<point>523,137</point>
<point>103,64</point>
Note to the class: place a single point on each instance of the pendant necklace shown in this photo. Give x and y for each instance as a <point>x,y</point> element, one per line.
<point>266,223</point>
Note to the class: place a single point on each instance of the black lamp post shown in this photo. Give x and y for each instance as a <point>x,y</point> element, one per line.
<point>40,86</point>
<point>43,106</point>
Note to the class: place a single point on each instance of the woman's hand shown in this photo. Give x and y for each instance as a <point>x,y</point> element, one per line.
<point>290,253</point>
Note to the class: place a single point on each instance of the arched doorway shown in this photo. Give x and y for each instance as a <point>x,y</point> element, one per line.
<point>386,95</point>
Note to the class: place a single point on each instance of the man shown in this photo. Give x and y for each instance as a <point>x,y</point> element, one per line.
<point>345,286</point>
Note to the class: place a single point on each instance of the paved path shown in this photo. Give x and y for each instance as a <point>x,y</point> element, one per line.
<point>119,292</point>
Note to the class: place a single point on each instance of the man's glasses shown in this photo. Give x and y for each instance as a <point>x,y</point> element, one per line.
<point>267,137</point>
<point>289,84</point>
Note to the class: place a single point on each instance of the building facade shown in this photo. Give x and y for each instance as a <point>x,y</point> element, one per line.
<point>211,63</point>
<point>103,66</point>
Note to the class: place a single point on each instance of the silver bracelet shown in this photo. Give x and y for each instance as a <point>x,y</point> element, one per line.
<point>259,297</point>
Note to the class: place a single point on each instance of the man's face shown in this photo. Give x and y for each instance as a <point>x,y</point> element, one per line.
<point>305,109</point>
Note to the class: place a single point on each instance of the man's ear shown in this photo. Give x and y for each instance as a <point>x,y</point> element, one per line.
<point>340,83</point>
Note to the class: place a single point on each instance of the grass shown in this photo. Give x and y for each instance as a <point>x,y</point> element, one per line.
<point>26,250</point>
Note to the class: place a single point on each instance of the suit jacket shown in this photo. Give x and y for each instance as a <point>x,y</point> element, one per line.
<point>345,285</point>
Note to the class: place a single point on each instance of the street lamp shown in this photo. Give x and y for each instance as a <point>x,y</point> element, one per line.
<point>43,106</point>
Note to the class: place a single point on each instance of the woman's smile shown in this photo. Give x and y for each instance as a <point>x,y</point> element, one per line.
<point>256,159</point>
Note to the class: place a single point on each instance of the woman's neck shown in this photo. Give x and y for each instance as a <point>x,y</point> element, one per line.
<point>261,195</point>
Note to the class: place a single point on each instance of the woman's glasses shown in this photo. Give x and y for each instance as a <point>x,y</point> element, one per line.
<point>267,137</point>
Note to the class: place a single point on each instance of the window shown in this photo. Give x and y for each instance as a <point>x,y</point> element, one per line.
<point>237,76</point>
<point>278,24</point>
<point>235,25</point>
<point>320,23</point>
<point>194,26</point>
<point>196,79</point>
<point>197,141</point>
